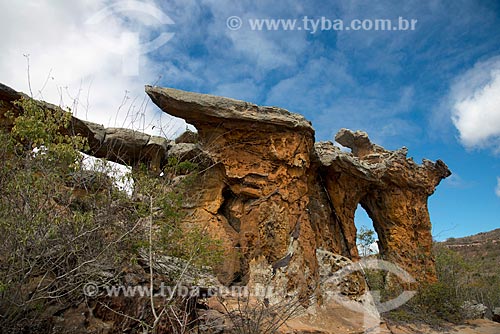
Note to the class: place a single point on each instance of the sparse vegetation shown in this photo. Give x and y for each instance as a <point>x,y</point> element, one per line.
<point>250,316</point>
<point>63,226</point>
<point>461,279</point>
<point>467,271</point>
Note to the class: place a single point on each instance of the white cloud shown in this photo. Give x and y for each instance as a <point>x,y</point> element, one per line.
<point>475,103</point>
<point>69,66</point>
<point>497,189</point>
<point>204,55</point>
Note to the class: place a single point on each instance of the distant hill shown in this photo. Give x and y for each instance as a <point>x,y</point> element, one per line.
<point>482,249</point>
<point>491,236</point>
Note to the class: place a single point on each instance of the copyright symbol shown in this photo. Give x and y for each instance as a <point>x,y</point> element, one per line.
<point>90,289</point>
<point>234,22</point>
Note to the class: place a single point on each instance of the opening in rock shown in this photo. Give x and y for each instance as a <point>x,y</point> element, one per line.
<point>367,238</point>
<point>225,209</point>
<point>119,174</point>
<point>239,277</point>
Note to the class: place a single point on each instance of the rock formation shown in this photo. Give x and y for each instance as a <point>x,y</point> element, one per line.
<point>496,314</point>
<point>275,197</point>
<point>272,195</point>
<point>120,145</point>
<point>392,188</point>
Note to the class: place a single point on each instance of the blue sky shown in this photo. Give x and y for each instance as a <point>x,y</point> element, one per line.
<point>435,89</point>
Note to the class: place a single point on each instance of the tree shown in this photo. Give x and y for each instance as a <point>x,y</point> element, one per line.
<point>366,238</point>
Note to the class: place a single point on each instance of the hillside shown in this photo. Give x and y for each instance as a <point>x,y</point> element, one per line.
<point>482,249</point>
<point>474,240</point>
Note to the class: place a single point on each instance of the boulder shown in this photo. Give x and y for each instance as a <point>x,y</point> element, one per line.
<point>474,310</point>
<point>187,137</point>
<point>198,109</point>
<point>496,314</point>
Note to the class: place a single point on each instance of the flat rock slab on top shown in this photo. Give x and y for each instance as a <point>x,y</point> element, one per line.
<point>198,108</point>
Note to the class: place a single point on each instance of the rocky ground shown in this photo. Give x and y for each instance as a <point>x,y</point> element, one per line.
<point>348,322</point>
<point>478,326</point>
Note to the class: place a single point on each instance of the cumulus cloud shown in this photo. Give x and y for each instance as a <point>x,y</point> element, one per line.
<point>475,103</point>
<point>497,189</point>
<point>80,65</point>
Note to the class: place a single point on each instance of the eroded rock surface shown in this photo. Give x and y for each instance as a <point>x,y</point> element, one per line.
<point>120,145</point>
<point>276,197</point>
<point>392,188</point>
<point>257,198</point>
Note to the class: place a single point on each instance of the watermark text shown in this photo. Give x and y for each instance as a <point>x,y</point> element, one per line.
<point>315,25</point>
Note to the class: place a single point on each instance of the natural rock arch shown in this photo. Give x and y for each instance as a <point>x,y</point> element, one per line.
<point>392,189</point>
